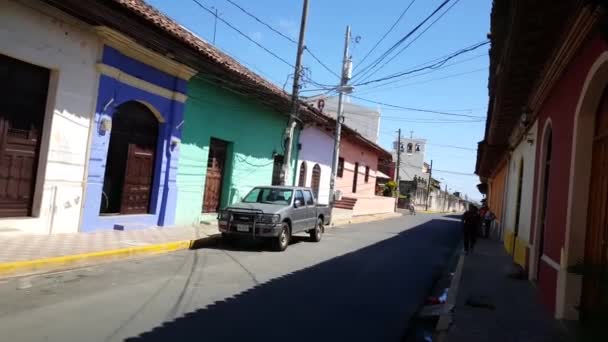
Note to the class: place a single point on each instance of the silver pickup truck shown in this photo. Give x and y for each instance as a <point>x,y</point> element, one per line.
<point>275,212</point>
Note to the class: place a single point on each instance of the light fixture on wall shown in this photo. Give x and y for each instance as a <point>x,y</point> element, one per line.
<point>525,118</point>
<point>105,124</point>
<point>175,142</point>
<point>530,138</point>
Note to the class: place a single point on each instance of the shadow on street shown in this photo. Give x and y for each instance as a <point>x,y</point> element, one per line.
<point>366,295</point>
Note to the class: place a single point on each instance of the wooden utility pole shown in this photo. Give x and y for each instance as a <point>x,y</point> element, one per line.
<point>346,74</point>
<point>295,101</point>
<point>428,186</point>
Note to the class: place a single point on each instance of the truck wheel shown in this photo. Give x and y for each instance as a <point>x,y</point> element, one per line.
<point>317,233</point>
<point>282,241</point>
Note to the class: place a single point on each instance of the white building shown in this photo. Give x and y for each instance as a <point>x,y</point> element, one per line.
<point>52,56</point>
<point>362,119</point>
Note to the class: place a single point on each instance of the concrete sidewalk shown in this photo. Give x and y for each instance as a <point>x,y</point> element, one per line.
<point>26,254</point>
<point>491,306</point>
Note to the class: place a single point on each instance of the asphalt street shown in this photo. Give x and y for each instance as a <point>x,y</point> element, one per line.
<point>362,282</point>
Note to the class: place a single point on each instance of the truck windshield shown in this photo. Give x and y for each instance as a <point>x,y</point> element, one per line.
<point>269,195</point>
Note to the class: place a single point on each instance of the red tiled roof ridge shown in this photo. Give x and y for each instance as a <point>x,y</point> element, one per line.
<point>150,13</point>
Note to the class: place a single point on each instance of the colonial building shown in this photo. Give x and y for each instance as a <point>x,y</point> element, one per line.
<point>48,78</point>
<point>547,130</point>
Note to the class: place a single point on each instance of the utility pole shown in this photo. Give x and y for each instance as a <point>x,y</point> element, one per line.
<point>397,177</point>
<point>445,198</point>
<point>346,73</point>
<point>215,25</point>
<point>295,101</point>
<point>428,186</point>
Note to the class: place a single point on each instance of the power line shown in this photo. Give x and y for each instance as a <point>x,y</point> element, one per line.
<point>262,22</point>
<point>418,109</point>
<point>432,66</point>
<point>277,31</point>
<point>400,41</point>
<point>243,34</point>
<point>368,90</point>
<point>425,81</point>
<point>413,40</point>
<point>456,173</point>
<point>453,146</point>
<point>387,32</point>
<point>321,62</point>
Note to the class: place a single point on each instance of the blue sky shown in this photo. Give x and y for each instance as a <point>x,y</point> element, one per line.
<point>459,88</point>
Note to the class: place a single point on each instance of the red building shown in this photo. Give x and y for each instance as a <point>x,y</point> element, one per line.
<point>549,70</point>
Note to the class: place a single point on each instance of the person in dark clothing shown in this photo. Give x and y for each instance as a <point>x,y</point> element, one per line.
<point>470,225</point>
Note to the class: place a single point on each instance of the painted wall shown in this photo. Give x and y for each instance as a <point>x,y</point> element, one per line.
<point>524,153</point>
<point>559,111</point>
<point>317,148</point>
<point>367,201</point>
<point>497,192</point>
<point>135,81</point>
<point>253,131</point>
<point>46,37</point>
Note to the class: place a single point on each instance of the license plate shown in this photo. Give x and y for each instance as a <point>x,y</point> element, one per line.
<point>242,227</point>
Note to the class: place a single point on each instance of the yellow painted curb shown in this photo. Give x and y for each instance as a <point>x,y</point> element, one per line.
<point>29,266</point>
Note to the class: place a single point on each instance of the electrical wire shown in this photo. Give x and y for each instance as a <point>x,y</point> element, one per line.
<point>417,109</point>
<point>381,86</point>
<point>277,31</point>
<point>243,34</point>
<point>387,53</point>
<point>432,66</point>
<point>387,32</point>
<point>413,40</point>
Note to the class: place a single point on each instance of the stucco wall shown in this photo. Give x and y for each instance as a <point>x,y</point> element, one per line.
<point>352,153</point>
<point>47,38</point>
<point>524,153</point>
<point>317,148</point>
<point>253,131</point>
<point>112,92</point>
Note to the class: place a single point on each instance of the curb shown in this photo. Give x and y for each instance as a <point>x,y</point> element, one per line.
<point>19,268</point>
<point>363,219</point>
<point>445,321</point>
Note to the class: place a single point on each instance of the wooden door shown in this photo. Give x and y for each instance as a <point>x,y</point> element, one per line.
<point>595,294</point>
<point>138,180</point>
<point>18,163</point>
<point>23,95</point>
<point>316,180</point>
<point>215,175</point>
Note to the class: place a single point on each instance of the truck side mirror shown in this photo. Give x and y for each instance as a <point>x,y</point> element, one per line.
<point>298,203</point>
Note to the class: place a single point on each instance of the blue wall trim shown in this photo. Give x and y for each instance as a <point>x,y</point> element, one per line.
<point>115,58</point>
<point>111,94</point>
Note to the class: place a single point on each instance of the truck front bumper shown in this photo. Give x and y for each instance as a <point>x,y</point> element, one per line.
<point>261,230</point>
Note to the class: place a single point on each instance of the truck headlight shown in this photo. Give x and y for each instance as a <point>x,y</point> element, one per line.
<point>269,218</point>
<point>224,215</point>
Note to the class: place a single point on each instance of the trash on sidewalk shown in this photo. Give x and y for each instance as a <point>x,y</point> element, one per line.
<point>482,302</point>
<point>438,300</point>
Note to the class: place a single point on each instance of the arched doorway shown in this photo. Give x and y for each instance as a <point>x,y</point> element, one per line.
<point>595,294</point>
<point>130,161</point>
<point>302,177</point>
<point>546,171</point>
<point>316,180</point>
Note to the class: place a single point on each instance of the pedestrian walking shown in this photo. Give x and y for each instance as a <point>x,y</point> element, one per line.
<point>488,218</point>
<point>470,226</point>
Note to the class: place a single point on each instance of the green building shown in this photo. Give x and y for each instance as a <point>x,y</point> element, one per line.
<point>230,143</point>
